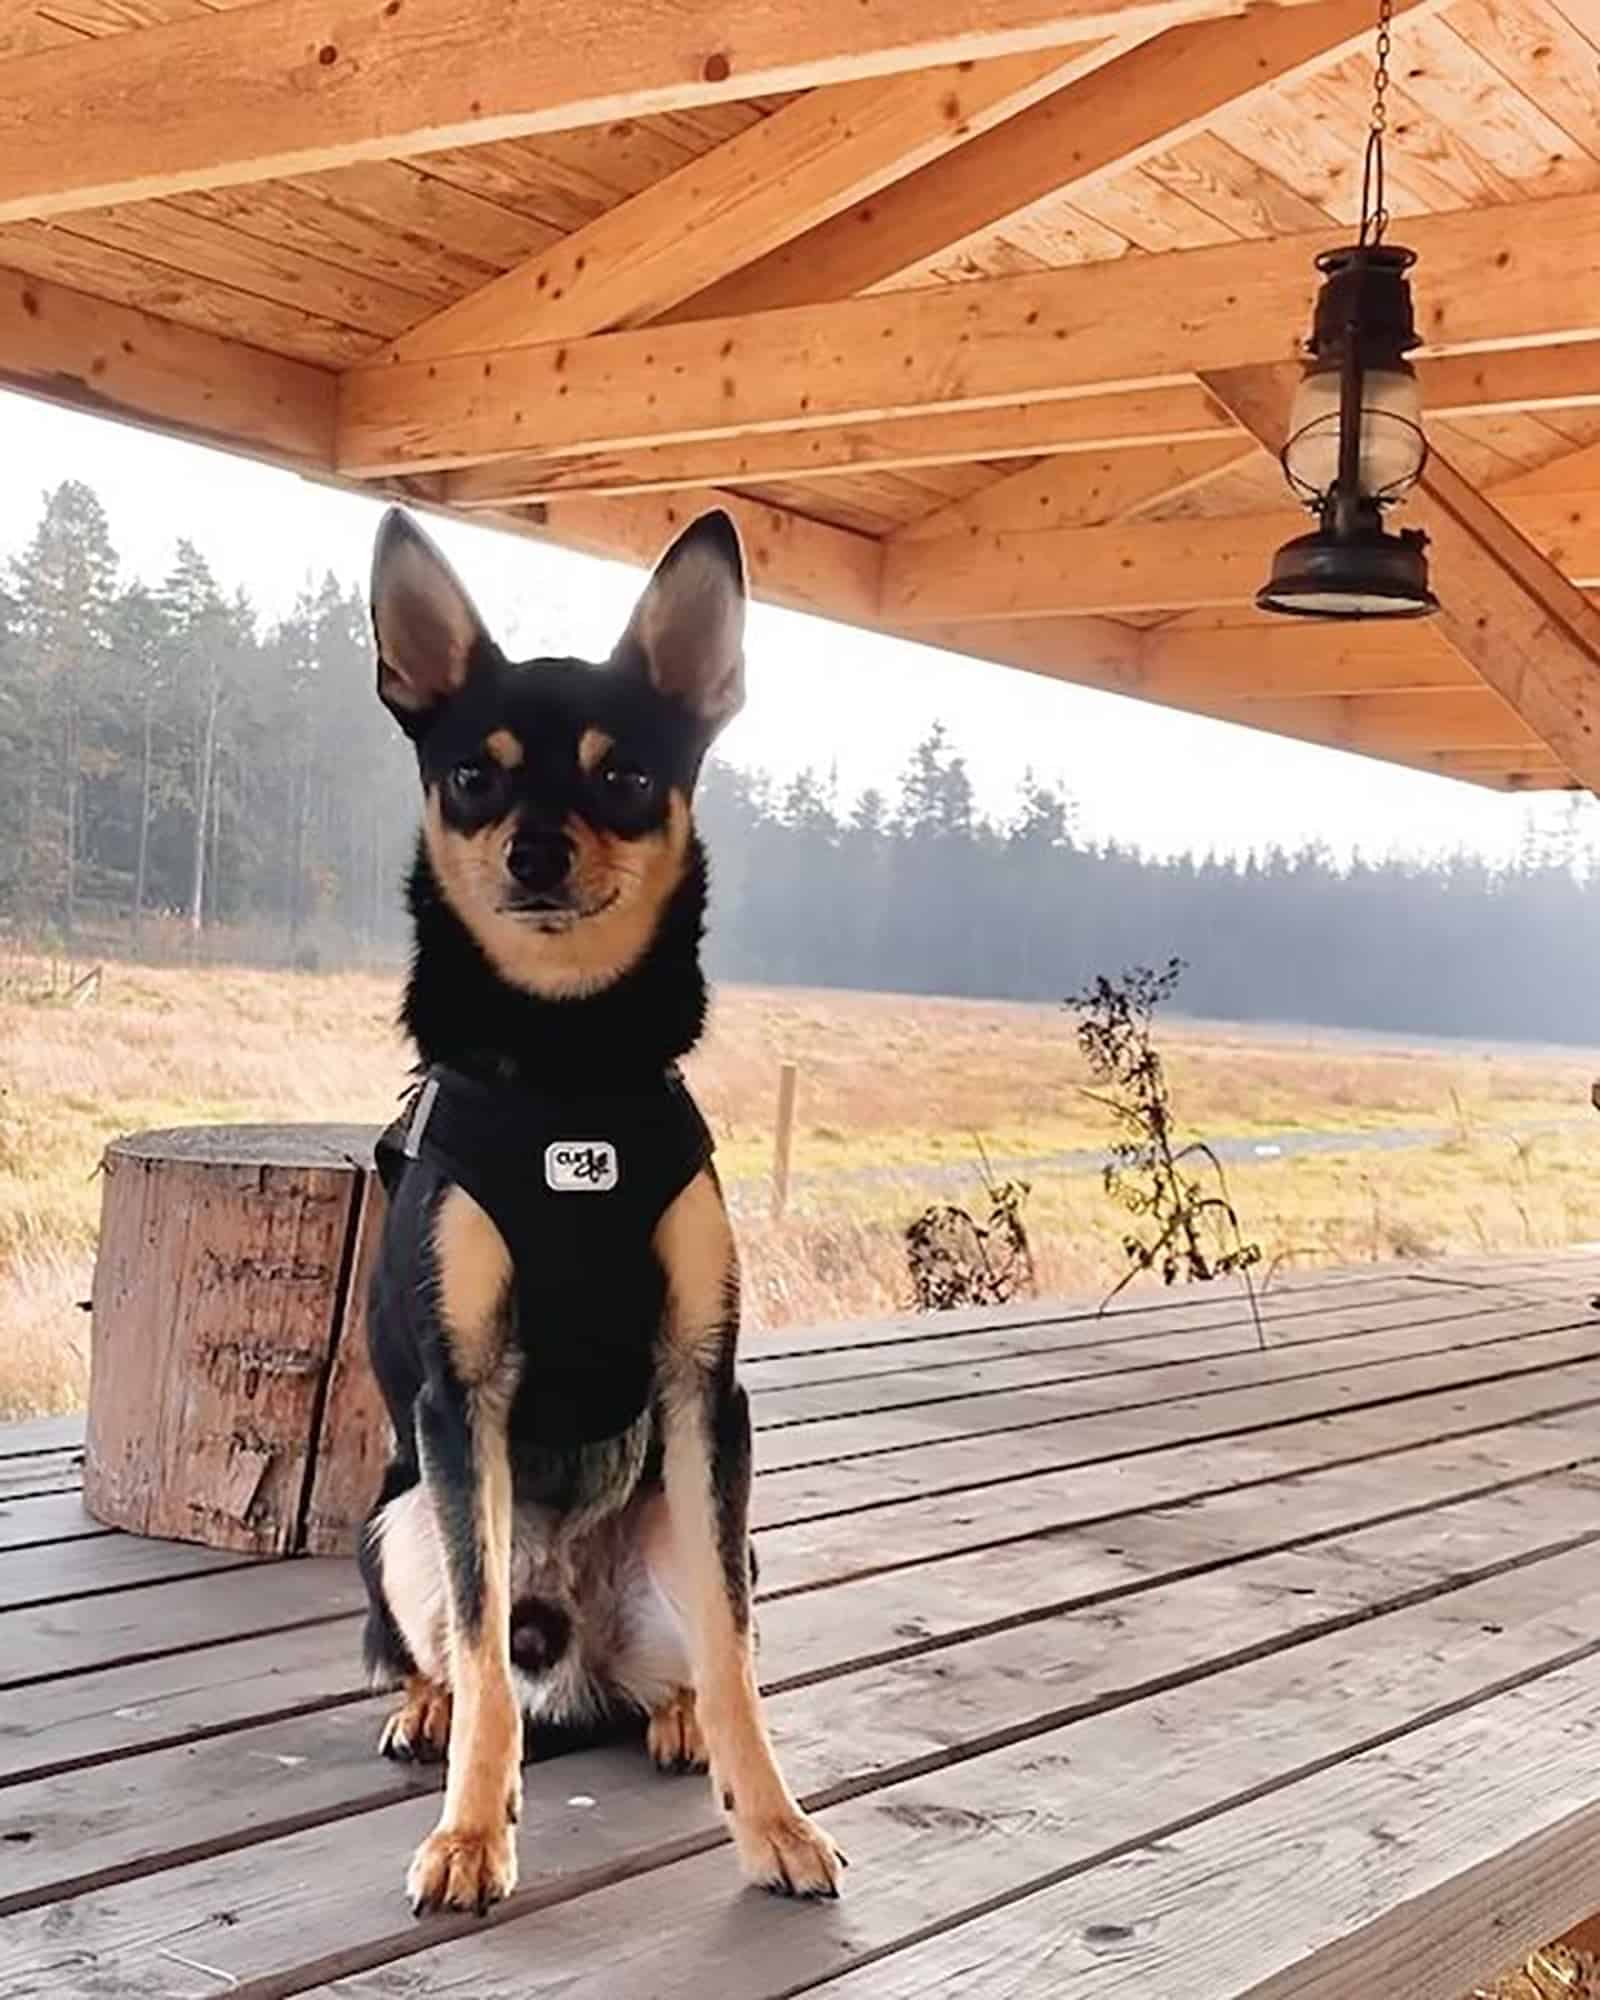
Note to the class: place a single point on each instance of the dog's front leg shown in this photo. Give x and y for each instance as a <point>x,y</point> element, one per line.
<point>469,1861</point>
<point>706,1422</point>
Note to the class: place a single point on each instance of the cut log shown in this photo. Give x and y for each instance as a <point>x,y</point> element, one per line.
<point>353,1437</point>
<point>230,1400</point>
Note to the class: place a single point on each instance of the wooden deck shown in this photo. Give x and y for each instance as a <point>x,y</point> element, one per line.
<point>1122,1658</point>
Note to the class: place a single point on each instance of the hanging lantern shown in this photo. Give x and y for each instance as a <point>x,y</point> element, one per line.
<point>1355,433</point>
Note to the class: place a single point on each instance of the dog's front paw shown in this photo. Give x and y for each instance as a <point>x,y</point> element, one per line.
<point>454,1870</point>
<point>788,1854</point>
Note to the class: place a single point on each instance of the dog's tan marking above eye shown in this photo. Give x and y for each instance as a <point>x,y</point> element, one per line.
<point>504,748</point>
<point>594,746</point>
<point>474,1277</point>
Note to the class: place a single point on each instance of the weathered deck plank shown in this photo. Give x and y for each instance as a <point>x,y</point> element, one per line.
<point>855,1733</point>
<point>48,1517</point>
<point>1072,1627</point>
<point>32,1473</point>
<point>1028,1358</point>
<point>850,1697</point>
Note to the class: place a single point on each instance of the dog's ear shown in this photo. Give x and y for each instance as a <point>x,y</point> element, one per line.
<point>688,627</point>
<point>425,624</point>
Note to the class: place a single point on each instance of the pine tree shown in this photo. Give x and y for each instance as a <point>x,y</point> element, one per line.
<point>201,641</point>
<point>63,584</point>
<point>143,642</point>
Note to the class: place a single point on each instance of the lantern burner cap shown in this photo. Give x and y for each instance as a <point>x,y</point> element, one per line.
<point>1368,574</point>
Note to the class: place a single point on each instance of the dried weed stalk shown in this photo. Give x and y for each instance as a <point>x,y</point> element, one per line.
<point>1177,1192</point>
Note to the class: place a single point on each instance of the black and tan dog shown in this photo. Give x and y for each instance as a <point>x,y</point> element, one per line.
<point>561,1534</point>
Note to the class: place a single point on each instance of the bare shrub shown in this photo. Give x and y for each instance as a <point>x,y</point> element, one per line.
<point>955,1260</point>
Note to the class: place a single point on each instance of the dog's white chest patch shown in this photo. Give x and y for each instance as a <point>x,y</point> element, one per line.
<point>580,1166</point>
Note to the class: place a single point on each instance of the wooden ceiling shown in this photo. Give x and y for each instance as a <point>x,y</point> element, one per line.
<point>979,315</point>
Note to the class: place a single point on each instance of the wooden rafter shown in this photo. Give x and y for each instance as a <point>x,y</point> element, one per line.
<point>1091,652</point>
<point>777,178</point>
<point>1146,100</point>
<point>115,361</point>
<point>1528,630</point>
<point>282,87</point>
<point>1180,414</point>
<point>1452,726</point>
<point>1573,472</point>
<point>801,564</point>
<point>1514,379</point>
<point>1495,276</point>
<point>1281,661</point>
<point>1141,566</point>
<point>1080,491</point>
<point>1433,720</point>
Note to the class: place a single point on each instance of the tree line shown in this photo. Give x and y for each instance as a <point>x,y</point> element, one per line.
<point>921,893</point>
<point>178,767</point>
<point>171,758</point>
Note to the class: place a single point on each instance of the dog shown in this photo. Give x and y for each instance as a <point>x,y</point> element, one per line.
<point>561,1536</point>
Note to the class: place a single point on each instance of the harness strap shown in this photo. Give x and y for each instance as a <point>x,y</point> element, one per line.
<point>576,1184</point>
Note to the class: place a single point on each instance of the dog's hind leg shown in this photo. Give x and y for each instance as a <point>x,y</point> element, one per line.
<point>469,1860</point>
<point>673,1737</point>
<point>418,1731</point>
<point>406,1637</point>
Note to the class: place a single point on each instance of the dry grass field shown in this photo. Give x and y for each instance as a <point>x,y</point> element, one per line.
<point>895,1093</point>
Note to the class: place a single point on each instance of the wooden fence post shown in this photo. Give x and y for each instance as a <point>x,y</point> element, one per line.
<point>783,1139</point>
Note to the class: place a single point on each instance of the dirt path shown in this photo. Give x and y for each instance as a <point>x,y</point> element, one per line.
<point>1091,1160</point>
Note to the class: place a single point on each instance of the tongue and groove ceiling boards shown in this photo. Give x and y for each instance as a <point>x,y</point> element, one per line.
<point>979,315</point>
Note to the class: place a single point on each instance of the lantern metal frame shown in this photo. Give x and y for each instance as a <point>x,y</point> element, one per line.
<point>1351,566</point>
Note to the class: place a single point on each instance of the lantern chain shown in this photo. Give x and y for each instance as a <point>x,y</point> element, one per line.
<point>1374,213</point>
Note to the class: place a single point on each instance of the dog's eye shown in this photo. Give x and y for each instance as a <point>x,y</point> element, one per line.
<point>471,783</point>
<point>627,781</point>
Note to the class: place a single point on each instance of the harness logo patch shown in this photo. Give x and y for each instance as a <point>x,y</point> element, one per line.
<point>580,1166</point>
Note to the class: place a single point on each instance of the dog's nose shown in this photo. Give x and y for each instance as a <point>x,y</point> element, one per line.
<point>539,860</point>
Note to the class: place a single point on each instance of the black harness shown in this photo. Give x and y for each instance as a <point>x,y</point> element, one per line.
<point>576,1184</point>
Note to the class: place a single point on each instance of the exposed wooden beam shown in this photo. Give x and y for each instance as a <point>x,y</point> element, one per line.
<point>1145,101</point>
<point>1535,770</point>
<point>1278,660</point>
<point>1436,720</point>
<point>1457,384</point>
<point>1188,667</point>
<point>1095,572</point>
<point>1557,377</point>
<point>1575,471</point>
<point>1494,276</point>
<point>1080,491</point>
<point>1090,652</point>
<point>808,161</point>
<point>1561,375</point>
<point>1509,610</point>
<point>1139,566</point>
<point>287,87</point>
<point>801,564</point>
<point>114,361</point>
<point>1181,414</point>
<point>1454,729</point>
<point>1511,607</point>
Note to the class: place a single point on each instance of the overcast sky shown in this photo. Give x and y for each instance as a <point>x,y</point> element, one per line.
<point>819,694</point>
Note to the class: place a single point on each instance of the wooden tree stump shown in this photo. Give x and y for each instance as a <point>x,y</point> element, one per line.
<point>230,1398</point>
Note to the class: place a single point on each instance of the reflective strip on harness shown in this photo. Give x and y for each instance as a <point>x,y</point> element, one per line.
<point>419,1117</point>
